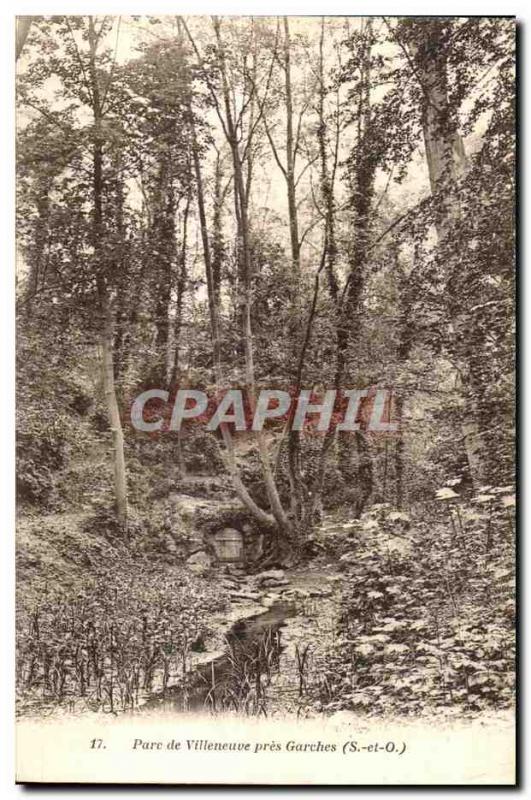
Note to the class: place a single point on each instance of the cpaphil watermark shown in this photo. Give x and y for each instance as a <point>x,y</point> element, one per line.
<point>157,410</point>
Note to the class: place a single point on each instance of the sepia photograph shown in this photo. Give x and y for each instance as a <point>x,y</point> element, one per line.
<point>265,416</point>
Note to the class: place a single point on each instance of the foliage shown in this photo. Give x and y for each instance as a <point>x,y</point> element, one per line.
<point>428,618</point>
<point>119,637</point>
<point>253,202</point>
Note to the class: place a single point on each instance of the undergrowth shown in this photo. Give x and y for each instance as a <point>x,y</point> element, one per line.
<point>428,610</point>
<point>120,636</point>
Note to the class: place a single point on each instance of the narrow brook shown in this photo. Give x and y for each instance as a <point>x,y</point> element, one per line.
<point>236,680</point>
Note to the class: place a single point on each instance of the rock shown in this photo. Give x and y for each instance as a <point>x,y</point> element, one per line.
<point>272,583</point>
<point>234,569</point>
<point>200,557</point>
<point>270,600</point>
<point>271,574</point>
<point>324,592</point>
<point>298,592</point>
<point>199,562</point>
<point>245,595</point>
<point>230,584</point>
<point>169,544</point>
<point>349,558</point>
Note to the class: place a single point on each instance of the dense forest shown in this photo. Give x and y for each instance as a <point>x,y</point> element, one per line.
<point>282,204</point>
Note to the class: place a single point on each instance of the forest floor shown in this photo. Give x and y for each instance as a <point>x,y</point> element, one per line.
<point>56,553</point>
<point>71,578</point>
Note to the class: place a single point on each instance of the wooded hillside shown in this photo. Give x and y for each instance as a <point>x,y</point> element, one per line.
<point>291,204</point>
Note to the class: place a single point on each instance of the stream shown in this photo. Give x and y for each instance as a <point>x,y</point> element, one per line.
<point>238,679</point>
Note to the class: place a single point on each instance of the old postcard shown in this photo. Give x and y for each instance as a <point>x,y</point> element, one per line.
<point>265,419</point>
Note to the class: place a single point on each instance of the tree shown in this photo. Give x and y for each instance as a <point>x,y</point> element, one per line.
<point>87,76</point>
<point>432,50</point>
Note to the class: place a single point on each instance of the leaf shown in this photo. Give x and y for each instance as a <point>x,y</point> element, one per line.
<point>454,482</point>
<point>365,649</point>
<point>370,525</point>
<point>446,494</point>
<point>400,546</point>
<point>360,698</point>
<point>483,498</point>
<point>398,515</point>
<point>418,625</point>
<point>396,648</point>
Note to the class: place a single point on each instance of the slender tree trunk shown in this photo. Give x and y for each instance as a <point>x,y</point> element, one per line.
<point>290,158</point>
<point>122,289</point>
<point>181,289</point>
<point>230,461</point>
<point>301,495</point>
<point>107,324</point>
<point>299,492</point>
<point>445,159</point>
<point>355,464</point>
<point>217,231</point>
<point>399,453</point>
<point>162,236</point>
<point>406,296</point>
<point>239,188</point>
<point>113,411</point>
<point>327,189</point>
<point>349,311</point>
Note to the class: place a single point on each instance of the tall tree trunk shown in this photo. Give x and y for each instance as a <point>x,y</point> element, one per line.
<point>405,343</point>
<point>243,235</point>
<point>230,460</point>
<point>349,311</point>
<point>290,159</point>
<point>121,332</point>
<point>162,236</point>
<point>301,494</point>
<point>218,247</point>
<point>181,289</point>
<point>288,170</point>
<point>113,411</point>
<point>356,468</point>
<point>107,323</point>
<point>445,160</point>
<point>327,189</point>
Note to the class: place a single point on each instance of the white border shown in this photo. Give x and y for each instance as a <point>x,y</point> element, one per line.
<point>336,7</point>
